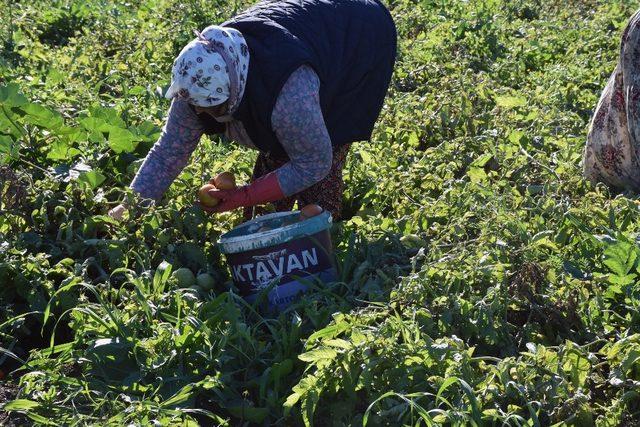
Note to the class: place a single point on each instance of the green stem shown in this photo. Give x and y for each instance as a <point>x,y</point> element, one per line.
<point>27,162</point>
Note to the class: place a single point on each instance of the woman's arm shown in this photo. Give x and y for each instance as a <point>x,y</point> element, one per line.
<point>170,153</point>
<point>298,122</point>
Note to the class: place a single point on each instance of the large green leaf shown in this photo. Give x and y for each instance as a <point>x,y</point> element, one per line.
<point>21,405</point>
<point>8,148</point>
<point>317,355</point>
<point>111,359</point>
<point>11,96</point>
<point>507,101</point>
<point>108,115</point>
<point>94,124</point>
<point>146,131</point>
<point>60,150</point>
<point>121,140</point>
<point>93,178</point>
<point>40,116</point>
<point>72,133</point>
<point>621,258</point>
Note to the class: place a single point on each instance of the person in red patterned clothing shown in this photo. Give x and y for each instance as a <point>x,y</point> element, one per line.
<point>612,152</point>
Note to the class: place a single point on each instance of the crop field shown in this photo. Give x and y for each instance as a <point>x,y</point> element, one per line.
<point>482,282</point>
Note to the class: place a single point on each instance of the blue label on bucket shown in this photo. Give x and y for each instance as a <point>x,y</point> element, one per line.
<point>281,296</point>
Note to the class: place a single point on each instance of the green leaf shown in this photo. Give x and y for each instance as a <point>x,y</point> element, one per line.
<point>619,281</point>
<point>11,97</point>
<point>60,150</point>
<point>476,175</point>
<point>108,115</point>
<point>516,136</point>
<point>146,131</point>
<point>121,140</point>
<point>104,219</point>
<point>367,158</point>
<point>445,385</point>
<point>72,134</point>
<point>282,369</point>
<point>620,258</point>
<point>481,161</point>
<point>94,178</point>
<point>94,124</point>
<point>330,331</point>
<point>249,413</point>
<point>507,101</point>
<point>292,399</point>
<point>40,116</point>
<point>8,149</point>
<point>475,406</point>
<point>111,358</point>
<point>577,367</point>
<point>300,391</point>
<point>40,419</point>
<point>137,90</point>
<point>161,276</point>
<point>183,395</point>
<point>631,361</point>
<point>21,405</point>
<point>339,343</point>
<point>318,355</point>
<point>5,124</point>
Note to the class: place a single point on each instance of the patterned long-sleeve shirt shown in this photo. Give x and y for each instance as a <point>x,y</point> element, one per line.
<point>296,119</point>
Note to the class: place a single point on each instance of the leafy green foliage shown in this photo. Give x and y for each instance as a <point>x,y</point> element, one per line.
<point>483,282</point>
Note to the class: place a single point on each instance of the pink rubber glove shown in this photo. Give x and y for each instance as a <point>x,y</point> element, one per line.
<point>264,190</point>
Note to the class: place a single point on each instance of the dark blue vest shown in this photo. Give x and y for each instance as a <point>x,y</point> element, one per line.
<point>351,45</point>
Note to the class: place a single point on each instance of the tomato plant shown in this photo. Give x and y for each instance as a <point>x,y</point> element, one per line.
<point>482,280</point>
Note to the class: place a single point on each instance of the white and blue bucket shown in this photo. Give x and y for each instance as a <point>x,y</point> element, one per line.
<point>280,255</point>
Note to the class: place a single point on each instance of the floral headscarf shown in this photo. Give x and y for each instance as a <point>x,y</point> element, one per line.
<point>211,69</point>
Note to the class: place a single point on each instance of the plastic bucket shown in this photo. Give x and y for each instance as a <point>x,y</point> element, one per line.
<point>281,253</point>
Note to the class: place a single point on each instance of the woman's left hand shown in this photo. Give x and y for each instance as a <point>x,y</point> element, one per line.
<point>228,199</point>
<point>264,190</point>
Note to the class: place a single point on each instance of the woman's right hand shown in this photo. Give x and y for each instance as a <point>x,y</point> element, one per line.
<point>117,213</point>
